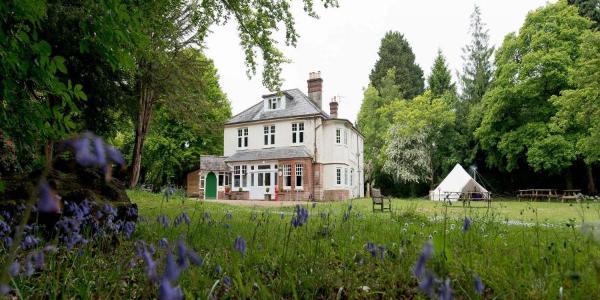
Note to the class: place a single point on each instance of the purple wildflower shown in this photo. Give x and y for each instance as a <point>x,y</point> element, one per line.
<point>167,292</point>
<point>90,150</point>
<point>218,269</point>
<point>4,228</point>
<point>28,266</point>
<point>163,243</point>
<point>171,268</point>
<point>426,254</point>
<point>4,289</point>
<point>181,254</point>
<point>346,216</point>
<point>300,217</point>
<point>115,155</point>
<point>227,281</point>
<point>7,241</point>
<point>195,259</point>
<point>228,215</point>
<point>240,245</point>
<point>13,269</point>
<point>100,151</point>
<point>381,251</point>
<point>479,286</point>
<point>128,229</point>
<point>371,248</point>
<point>445,291</point>
<point>29,242</point>
<point>426,284</point>
<point>47,201</point>
<point>466,224</point>
<point>206,216</point>
<point>132,212</point>
<point>38,259</point>
<point>150,265</point>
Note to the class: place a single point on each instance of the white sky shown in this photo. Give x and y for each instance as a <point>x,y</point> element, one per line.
<point>343,44</point>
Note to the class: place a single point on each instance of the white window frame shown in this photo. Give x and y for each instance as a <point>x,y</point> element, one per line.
<point>287,173</point>
<point>275,103</point>
<point>338,176</point>
<point>299,174</point>
<point>345,176</point>
<point>345,136</point>
<point>244,174</point>
<point>242,138</point>
<point>269,135</point>
<point>338,135</point>
<point>298,133</point>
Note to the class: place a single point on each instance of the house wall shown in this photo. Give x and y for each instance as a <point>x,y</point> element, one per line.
<point>283,135</point>
<point>320,140</point>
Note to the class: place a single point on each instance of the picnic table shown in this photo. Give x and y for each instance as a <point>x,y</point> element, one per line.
<point>538,194</point>
<point>570,195</point>
<point>466,197</point>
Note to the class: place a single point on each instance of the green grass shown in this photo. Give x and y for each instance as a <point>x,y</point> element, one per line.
<point>326,258</point>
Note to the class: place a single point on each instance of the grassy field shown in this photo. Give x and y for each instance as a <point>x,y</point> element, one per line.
<point>330,257</point>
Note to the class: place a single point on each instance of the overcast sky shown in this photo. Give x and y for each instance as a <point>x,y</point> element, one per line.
<point>343,44</point>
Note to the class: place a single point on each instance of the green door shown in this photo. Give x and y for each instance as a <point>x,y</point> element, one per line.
<point>210,189</point>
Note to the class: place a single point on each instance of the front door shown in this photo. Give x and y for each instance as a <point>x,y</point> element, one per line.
<point>261,179</point>
<point>210,189</point>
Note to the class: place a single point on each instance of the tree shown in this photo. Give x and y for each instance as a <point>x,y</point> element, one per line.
<point>440,79</point>
<point>416,138</point>
<point>477,70</point>
<point>532,66</point>
<point>589,9</point>
<point>373,123</point>
<point>578,115</point>
<point>395,52</point>
<point>187,124</point>
<point>173,25</point>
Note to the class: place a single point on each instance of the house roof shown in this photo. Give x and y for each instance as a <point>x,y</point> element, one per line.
<point>270,154</point>
<point>296,104</point>
<point>213,163</point>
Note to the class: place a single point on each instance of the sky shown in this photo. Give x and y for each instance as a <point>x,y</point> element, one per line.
<point>344,41</point>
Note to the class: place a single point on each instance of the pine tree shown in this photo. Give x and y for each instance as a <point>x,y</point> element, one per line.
<point>477,71</point>
<point>395,52</point>
<point>440,79</point>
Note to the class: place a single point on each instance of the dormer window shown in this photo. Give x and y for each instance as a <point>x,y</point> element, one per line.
<point>275,103</point>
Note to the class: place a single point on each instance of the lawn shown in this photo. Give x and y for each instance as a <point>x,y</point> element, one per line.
<point>343,250</point>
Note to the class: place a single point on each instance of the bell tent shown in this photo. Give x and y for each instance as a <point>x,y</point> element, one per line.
<point>458,184</point>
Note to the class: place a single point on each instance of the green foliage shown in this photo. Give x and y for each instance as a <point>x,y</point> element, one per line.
<point>396,53</point>
<point>589,9</point>
<point>440,80</point>
<point>420,130</point>
<point>577,120</point>
<point>477,71</point>
<point>532,66</point>
<point>188,122</point>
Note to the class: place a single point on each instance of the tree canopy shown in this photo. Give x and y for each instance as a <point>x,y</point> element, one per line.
<point>396,53</point>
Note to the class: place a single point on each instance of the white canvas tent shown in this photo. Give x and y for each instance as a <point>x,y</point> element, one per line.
<point>458,184</point>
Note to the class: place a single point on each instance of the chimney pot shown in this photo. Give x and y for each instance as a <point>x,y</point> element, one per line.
<point>315,88</point>
<point>333,107</point>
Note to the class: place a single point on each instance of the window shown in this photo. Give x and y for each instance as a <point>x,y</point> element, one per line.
<point>287,175</point>
<point>236,176</point>
<point>345,176</point>
<point>269,132</point>
<point>223,179</point>
<point>299,176</point>
<point>345,137</point>
<point>338,136</point>
<point>297,133</point>
<point>338,176</point>
<point>242,137</point>
<point>244,176</point>
<point>267,179</point>
<point>274,103</point>
<point>351,177</point>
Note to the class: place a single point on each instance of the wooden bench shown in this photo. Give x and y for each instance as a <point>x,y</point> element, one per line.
<point>537,193</point>
<point>380,200</point>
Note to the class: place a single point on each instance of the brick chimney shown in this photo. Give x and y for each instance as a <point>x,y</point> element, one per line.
<point>333,107</point>
<point>315,88</point>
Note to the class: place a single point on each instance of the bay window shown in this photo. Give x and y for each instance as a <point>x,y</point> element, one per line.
<point>299,183</point>
<point>287,176</point>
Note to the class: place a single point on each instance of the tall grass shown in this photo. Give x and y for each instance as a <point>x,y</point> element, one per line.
<point>327,257</point>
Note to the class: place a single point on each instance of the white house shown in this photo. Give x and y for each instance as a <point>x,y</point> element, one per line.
<point>287,145</point>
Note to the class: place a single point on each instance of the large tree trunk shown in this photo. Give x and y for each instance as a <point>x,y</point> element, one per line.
<point>591,183</point>
<point>146,101</point>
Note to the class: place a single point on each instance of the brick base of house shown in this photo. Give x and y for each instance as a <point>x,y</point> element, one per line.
<point>330,195</point>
